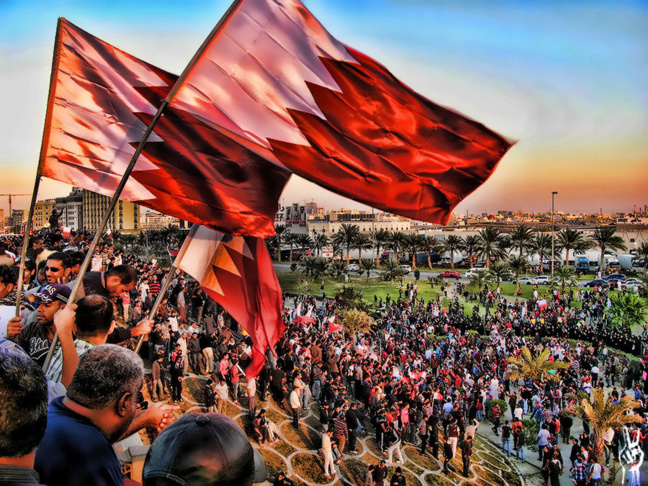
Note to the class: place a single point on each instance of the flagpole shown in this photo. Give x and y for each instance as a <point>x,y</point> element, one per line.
<point>167,281</point>
<point>106,217</point>
<point>23,254</point>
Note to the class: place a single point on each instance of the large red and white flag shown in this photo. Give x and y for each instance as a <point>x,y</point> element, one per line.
<point>237,273</point>
<point>272,78</point>
<point>101,102</point>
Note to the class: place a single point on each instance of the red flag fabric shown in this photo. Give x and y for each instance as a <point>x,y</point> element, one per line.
<point>333,327</point>
<point>101,101</point>
<point>271,77</point>
<point>304,320</point>
<point>237,273</point>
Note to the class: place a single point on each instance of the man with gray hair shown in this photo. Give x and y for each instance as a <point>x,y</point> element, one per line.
<point>23,415</point>
<point>100,408</point>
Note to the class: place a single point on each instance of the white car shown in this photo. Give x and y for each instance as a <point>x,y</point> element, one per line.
<point>474,271</point>
<point>352,267</point>
<point>405,269</point>
<point>631,283</point>
<point>525,280</point>
<point>541,280</point>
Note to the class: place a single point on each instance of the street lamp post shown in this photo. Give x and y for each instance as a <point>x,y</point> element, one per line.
<point>553,234</point>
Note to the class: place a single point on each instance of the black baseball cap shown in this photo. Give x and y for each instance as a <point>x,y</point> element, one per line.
<point>203,450</point>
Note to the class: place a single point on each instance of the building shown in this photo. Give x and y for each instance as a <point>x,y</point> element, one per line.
<point>71,209</point>
<point>125,216</point>
<point>42,212</point>
<point>18,217</point>
<point>154,220</point>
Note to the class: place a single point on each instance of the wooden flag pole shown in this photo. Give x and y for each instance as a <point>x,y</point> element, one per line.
<point>106,216</point>
<point>167,282</point>
<point>23,254</point>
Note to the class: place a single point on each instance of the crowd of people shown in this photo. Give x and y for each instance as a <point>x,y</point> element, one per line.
<point>421,374</point>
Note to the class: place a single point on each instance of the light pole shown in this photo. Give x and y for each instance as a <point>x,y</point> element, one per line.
<point>553,234</point>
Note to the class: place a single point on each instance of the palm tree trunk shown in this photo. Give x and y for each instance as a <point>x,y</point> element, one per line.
<point>452,260</point>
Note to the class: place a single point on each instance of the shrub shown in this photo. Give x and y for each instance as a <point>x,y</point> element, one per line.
<point>530,434</point>
<point>489,408</point>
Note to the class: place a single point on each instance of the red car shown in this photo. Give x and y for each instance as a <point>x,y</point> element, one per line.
<point>451,274</point>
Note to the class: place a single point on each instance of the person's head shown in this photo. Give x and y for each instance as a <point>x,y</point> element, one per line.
<point>51,298</point>
<point>399,471</point>
<point>23,403</point>
<point>120,279</point>
<point>58,267</point>
<point>94,316</point>
<point>203,450</point>
<point>106,383</point>
<point>8,279</point>
<point>29,272</point>
<point>77,258</point>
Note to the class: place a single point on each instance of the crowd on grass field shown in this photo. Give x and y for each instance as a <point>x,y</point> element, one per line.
<point>420,374</point>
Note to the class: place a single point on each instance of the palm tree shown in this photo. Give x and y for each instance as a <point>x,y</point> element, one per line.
<point>642,252</point>
<point>565,277</point>
<point>320,240</point>
<point>391,270</point>
<point>542,247</point>
<point>452,244</point>
<point>499,271</point>
<point>362,242</point>
<point>412,243</point>
<point>569,239</point>
<point>430,245</point>
<point>605,239</point>
<point>336,269</point>
<point>518,265</point>
<point>490,239</point>
<point>522,238</point>
<point>471,245</point>
<point>380,239</point>
<point>367,266</point>
<point>627,310</point>
<point>395,243</point>
<point>602,415</point>
<point>291,239</point>
<point>314,266</point>
<point>480,278</point>
<point>534,366</point>
<point>346,237</point>
<point>355,321</point>
<point>305,242</point>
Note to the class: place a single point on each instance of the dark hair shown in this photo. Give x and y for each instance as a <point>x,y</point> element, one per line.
<point>8,274</point>
<point>94,315</point>
<point>125,273</point>
<point>77,257</point>
<point>64,258</point>
<point>23,398</point>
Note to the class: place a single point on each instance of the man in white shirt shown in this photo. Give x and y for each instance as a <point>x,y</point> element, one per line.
<point>327,450</point>
<point>295,405</point>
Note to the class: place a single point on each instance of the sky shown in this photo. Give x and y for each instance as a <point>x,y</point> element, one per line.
<point>568,80</point>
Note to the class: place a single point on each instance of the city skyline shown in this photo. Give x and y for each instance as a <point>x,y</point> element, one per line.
<point>567,80</point>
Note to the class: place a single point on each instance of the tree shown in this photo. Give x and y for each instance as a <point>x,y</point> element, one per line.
<point>395,243</point>
<point>518,265</point>
<point>391,270</point>
<point>291,239</point>
<point>627,310</point>
<point>602,414</point>
<point>367,266</point>
<point>542,247</point>
<point>605,239</point>
<point>305,242</point>
<point>522,238</point>
<point>380,239</point>
<point>480,278</point>
<point>320,240</point>
<point>314,266</point>
<point>336,269</point>
<point>565,277</point>
<point>355,321</point>
<point>536,367</point>
<point>490,239</point>
<point>412,243</point>
<point>362,242</point>
<point>430,245</point>
<point>346,237</point>
<point>453,244</point>
<point>499,271</point>
<point>642,252</point>
<point>471,245</point>
<point>569,239</point>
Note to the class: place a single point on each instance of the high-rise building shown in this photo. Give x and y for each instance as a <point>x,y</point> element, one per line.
<point>125,216</point>
<point>71,209</point>
<point>42,212</point>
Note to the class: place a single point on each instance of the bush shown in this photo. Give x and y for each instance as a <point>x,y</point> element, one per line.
<point>489,408</point>
<point>530,434</point>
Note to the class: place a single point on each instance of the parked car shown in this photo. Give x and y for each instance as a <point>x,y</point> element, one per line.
<point>614,277</point>
<point>525,280</point>
<point>480,265</point>
<point>631,284</point>
<point>352,267</point>
<point>450,274</point>
<point>541,280</point>
<point>473,271</point>
<point>405,269</point>
<point>596,283</point>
